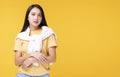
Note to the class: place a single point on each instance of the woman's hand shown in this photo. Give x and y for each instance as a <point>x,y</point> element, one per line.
<point>19,59</point>
<point>28,62</point>
<point>35,54</point>
<point>43,60</point>
<point>40,57</point>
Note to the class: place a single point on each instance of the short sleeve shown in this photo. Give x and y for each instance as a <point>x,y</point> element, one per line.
<point>52,41</point>
<point>17,45</point>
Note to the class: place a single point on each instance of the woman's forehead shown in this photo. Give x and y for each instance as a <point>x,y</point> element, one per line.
<point>35,10</point>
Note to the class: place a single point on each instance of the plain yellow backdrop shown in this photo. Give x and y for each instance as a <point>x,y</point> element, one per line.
<point>88,36</point>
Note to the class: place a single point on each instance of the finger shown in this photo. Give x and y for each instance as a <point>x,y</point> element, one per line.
<point>27,62</point>
<point>24,66</point>
<point>44,58</point>
<point>43,61</point>
<point>44,65</point>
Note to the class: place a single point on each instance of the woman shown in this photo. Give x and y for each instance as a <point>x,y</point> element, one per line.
<point>35,45</point>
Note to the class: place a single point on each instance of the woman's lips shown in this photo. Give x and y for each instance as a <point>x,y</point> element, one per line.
<point>35,21</point>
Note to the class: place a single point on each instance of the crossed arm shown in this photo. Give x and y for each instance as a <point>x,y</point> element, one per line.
<point>26,60</point>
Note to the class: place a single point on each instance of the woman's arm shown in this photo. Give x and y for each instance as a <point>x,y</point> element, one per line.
<point>25,61</point>
<point>28,62</point>
<point>42,59</point>
<point>19,59</point>
<point>52,54</point>
<point>45,60</point>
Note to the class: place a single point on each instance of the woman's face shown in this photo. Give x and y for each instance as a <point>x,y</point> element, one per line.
<point>35,17</point>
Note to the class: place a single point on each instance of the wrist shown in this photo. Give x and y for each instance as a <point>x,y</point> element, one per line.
<point>27,56</point>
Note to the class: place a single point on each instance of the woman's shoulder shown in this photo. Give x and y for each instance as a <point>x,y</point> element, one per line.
<point>19,35</point>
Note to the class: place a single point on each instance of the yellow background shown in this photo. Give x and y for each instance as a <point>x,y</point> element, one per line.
<point>88,36</point>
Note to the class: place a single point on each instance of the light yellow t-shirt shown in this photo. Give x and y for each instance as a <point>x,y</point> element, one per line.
<point>22,46</point>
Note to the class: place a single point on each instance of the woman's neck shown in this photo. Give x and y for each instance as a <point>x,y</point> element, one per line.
<point>32,28</point>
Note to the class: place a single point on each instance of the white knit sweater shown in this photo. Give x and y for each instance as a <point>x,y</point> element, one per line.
<point>35,44</point>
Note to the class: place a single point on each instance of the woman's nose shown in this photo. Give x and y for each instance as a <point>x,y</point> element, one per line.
<point>36,17</point>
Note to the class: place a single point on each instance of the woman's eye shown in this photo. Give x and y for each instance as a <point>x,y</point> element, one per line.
<point>40,15</point>
<point>33,14</point>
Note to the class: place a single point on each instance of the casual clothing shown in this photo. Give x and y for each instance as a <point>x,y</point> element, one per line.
<point>22,45</point>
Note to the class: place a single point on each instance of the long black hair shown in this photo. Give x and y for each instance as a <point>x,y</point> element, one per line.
<point>26,22</point>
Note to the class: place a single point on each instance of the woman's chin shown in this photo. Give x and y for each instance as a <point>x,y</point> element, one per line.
<point>35,25</point>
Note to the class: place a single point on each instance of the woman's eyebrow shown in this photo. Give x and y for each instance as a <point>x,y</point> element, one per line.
<point>35,12</point>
